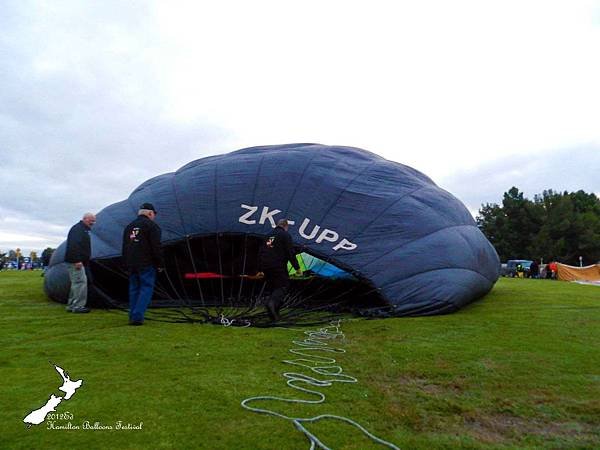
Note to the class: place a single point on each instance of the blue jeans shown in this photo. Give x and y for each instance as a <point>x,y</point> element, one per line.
<point>141,285</point>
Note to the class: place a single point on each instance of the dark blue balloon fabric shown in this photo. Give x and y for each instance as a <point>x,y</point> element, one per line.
<point>386,223</point>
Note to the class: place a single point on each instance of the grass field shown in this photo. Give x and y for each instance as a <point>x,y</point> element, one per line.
<point>518,369</point>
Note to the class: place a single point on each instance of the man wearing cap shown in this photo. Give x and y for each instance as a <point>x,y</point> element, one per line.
<point>143,258</point>
<point>273,257</point>
<point>77,257</point>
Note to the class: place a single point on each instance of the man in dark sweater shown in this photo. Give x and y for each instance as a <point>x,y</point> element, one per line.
<point>143,258</point>
<point>77,257</point>
<point>273,257</point>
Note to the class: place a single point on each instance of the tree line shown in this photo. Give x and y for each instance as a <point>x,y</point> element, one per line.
<point>554,226</point>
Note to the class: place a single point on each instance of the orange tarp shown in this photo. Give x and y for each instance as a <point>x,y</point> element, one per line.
<point>572,273</point>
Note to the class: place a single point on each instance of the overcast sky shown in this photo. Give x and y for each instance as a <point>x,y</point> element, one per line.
<point>96,97</point>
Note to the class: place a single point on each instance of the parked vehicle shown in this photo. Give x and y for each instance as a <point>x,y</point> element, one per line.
<point>503,270</point>
<point>511,267</point>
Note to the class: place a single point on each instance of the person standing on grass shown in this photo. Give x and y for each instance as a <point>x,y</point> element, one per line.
<point>273,257</point>
<point>553,269</point>
<point>534,270</point>
<point>77,257</point>
<point>143,258</point>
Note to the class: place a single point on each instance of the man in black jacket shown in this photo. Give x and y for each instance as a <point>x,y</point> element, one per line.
<point>77,257</point>
<point>273,257</point>
<point>143,258</point>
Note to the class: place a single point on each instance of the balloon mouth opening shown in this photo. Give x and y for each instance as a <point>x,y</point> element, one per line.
<point>219,271</point>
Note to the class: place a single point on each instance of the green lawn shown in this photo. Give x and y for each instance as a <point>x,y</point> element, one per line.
<point>518,369</point>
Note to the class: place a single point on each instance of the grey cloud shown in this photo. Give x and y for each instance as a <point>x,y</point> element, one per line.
<point>80,114</point>
<point>567,169</point>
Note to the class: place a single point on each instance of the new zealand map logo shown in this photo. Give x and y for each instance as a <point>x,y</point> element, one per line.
<point>69,387</point>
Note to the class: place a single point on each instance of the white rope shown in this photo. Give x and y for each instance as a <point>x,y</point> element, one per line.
<point>317,341</point>
<point>228,322</point>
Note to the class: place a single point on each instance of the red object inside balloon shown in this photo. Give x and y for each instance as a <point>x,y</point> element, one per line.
<point>203,275</point>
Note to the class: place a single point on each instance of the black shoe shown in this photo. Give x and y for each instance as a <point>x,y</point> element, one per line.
<point>81,310</point>
<point>136,322</point>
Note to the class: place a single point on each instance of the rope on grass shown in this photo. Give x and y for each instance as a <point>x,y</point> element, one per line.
<point>228,322</point>
<point>317,341</point>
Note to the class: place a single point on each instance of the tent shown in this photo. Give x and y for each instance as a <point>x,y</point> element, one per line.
<point>406,245</point>
<point>573,273</point>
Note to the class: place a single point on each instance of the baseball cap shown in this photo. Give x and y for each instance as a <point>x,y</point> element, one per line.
<point>148,206</point>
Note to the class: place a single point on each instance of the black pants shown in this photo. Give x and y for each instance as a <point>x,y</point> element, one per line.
<point>276,298</point>
<point>277,284</point>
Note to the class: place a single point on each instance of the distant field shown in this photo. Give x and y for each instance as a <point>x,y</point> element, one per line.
<point>518,369</point>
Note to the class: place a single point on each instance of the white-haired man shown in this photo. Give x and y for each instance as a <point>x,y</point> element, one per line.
<point>77,257</point>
